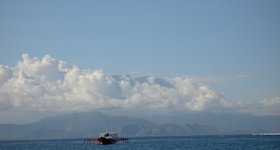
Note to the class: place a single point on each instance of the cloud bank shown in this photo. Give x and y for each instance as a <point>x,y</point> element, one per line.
<point>270,106</point>
<point>48,84</point>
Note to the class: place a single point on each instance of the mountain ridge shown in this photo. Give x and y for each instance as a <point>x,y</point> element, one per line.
<point>89,124</point>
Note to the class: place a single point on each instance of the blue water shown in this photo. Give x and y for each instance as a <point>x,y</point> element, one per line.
<point>155,143</point>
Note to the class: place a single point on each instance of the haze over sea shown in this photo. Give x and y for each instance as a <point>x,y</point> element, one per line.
<point>241,142</point>
<point>191,68</point>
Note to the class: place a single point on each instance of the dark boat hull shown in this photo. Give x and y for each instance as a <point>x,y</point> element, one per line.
<point>105,141</point>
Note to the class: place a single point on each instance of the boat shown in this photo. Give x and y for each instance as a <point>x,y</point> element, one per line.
<point>106,138</point>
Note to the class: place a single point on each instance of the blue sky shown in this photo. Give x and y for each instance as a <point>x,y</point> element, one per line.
<point>234,46</point>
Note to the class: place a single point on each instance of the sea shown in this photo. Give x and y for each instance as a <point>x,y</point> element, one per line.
<point>228,142</point>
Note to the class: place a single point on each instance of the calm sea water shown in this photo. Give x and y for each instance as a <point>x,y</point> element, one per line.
<point>155,143</point>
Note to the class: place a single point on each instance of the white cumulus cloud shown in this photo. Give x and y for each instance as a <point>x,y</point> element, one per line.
<point>270,106</point>
<point>48,84</point>
<point>275,101</point>
<point>267,106</point>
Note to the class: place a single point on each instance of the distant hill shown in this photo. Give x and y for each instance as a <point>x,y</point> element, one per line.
<point>170,129</point>
<point>232,123</point>
<point>77,125</point>
<point>90,124</point>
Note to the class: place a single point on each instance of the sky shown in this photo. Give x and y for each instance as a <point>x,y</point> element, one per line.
<point>65,56</point>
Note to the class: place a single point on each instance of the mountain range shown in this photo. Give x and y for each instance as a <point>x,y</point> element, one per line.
<point>90,124</point>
